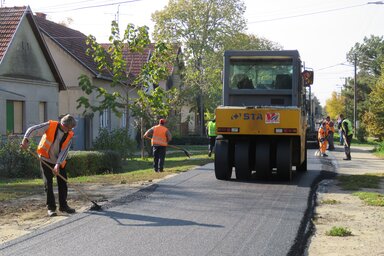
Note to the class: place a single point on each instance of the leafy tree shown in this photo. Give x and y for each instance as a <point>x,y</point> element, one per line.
<point>202,26</point>
<point>206,28</point>
<point>374,118</point>
<point>111,62</point>
<point>369,57</point>
<point>335,105</point>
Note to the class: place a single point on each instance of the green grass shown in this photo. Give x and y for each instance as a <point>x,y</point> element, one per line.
<point>371,198</point>
<point>338,231</point>
<point>330,201</point>
<point>133,170</point>
<point>356,182</point>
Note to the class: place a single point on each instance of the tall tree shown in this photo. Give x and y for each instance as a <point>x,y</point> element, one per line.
<point>202,26</point>
<point>369,57</point>
<point>374,117</point>
<point>335,105</point>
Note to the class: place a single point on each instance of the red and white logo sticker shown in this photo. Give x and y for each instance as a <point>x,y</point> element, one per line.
<point>272,118</point>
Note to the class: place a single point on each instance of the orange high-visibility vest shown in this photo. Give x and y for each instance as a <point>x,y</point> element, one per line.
<point>48,139</point>
<point>323,133</point>
<point>159,137</point>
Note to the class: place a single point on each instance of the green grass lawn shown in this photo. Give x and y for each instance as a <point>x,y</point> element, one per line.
<point>133,170</point>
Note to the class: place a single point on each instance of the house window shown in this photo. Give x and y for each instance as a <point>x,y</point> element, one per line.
<point>42,112</point>
<point>104,118</point>
<point>14,116</point>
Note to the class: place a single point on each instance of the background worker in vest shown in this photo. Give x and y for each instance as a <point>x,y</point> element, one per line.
<point>160,136</point>
<point>347,133</point>
<point>211,132</point>
<point>322,137</point>
<point>53,150</point>
<point>331,131</point>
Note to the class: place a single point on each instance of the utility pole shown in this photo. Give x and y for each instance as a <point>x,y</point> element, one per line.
<point>355,123</point>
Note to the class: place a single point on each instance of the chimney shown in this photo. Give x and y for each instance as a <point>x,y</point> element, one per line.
<point>41,15</point>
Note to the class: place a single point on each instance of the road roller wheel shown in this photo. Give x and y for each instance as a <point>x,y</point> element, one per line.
<point>242,163</point>
<point>303,167</point>
<point>223,162</point>
<point>284,159</point>
<point>262,159</point>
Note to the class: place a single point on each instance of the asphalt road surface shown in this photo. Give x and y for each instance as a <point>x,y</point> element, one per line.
<point>189,214</point>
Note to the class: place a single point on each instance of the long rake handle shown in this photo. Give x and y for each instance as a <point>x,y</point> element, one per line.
<point>61,176</point>
<point>172,146</point>
<point>185,151</point>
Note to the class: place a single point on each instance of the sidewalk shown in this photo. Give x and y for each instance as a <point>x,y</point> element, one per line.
<point>363,161</point>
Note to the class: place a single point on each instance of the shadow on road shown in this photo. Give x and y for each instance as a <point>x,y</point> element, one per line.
<point>149,221</point>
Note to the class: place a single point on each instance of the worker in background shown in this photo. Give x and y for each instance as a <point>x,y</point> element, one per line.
<point>322,137</point>
<point>211,132</point>
<point>53,150</point>
<point>347,133</point>
<point>159,136</point>
<point>340,131</point>
<point>331,131</point>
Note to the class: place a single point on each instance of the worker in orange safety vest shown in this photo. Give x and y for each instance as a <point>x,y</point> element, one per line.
<point>160,136</point>
<point>322,136</point>
<point>53,149</point>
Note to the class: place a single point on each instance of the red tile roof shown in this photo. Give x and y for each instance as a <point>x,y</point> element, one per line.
<point>9,21</point>
<point>136,60</point>
<point>71,41</point>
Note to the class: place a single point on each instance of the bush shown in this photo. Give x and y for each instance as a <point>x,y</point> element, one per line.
<point>362,134</point>
<point>83,163</point>
<point>16,163</point>
<point>117,140</point>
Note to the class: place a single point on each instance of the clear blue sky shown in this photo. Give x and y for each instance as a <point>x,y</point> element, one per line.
<point>323,31</point>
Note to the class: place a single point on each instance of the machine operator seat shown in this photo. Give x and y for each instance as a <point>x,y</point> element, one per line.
<point>283,81</point>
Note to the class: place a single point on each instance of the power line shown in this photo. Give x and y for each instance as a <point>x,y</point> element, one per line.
<point>306,14</point>
<point>68,4</point>
<point>94,6</point>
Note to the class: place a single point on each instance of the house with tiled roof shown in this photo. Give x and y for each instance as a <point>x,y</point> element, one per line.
<point>30,82</point>
<point>68,48</point>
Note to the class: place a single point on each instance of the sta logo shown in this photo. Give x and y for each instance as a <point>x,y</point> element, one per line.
<point>247,116</point>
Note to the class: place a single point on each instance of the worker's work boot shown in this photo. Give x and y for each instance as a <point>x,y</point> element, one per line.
<point>67,209</point>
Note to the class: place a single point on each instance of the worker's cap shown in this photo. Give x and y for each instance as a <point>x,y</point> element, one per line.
<point>162,121</point>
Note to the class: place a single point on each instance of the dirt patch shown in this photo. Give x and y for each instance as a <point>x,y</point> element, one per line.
<point>24,215</point>
<point>365,222</point>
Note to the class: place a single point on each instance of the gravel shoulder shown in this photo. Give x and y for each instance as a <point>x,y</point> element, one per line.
<point>365,222</point>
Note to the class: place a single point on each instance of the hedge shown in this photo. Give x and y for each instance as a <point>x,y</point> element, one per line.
<point>83,163</point>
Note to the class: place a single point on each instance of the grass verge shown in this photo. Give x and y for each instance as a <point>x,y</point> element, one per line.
<point>356,182</point>
<point>133,170</point>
